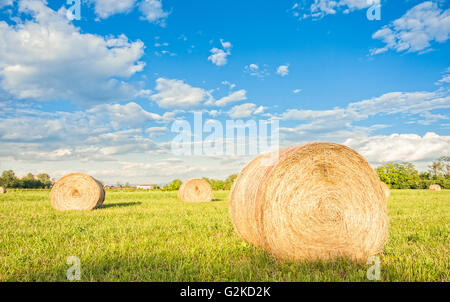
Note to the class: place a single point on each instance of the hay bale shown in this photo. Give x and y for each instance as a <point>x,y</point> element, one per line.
<point>435,187</point>
<point>386,190</point>
<point>77,191</point>
<point>2,190</point>
<point>195,190</point>
<point>318,201</point>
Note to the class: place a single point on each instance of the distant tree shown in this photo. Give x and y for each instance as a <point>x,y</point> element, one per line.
<point>445,163</point>
<point>399,175</point>
<point>175,185</point>
<point>436,169</point>
<point>9,179</point>
<point>127,184</point>
<point>229,181</point>
<point>44,178</point>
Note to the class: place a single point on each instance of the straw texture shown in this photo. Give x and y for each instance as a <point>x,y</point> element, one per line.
<point>77,191</point>
<point>195,190</point>
<point>2,190</point>
<point>435,187</point>
<point>319,201</point>
<point>386,190</point>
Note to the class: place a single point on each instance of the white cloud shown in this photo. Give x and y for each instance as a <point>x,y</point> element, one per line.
<point>445,78</point>
<point>219,56</point>
<point>415,30</point>
<point>283,70</point>
<point>296,91</point>
<point>157,131</point>
<point>256,71</point>
<point>152,11</point>
<point>401,147</point>
<point>47,58</point>
<point>5,3</point>
<point>129,115</point>
<point>245,110</point>
<point>176,93</point>
<point>321,8</point>
<point>236,96</point>
<point>172,93</point>
<point>106,8</point>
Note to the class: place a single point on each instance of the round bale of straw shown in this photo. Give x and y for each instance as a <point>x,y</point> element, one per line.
<point>77,191</point>
<point>435,187</point>
<point>195,190</point>
<point>321,201</point>
<point>2,190</point>
<point>386,190</point>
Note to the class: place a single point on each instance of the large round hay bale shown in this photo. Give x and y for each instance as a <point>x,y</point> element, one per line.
<point>2,190</point>
<point>435,187</point>
<point>77,191</point>
<point>386,190</point>
<point>195,190</point>
<point>318,201</point>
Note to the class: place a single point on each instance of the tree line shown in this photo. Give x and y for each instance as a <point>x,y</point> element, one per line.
<point>29,181</point>
<point>401,175</point>
<point>405,176</point>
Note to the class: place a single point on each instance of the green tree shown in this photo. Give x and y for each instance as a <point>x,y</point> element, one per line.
<point>9,179</point>
<point>44,178</point>
<point>399,175</point>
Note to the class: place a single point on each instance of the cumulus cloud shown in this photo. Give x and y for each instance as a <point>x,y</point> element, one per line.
<point>176,93</point>
<point>340,122</point>
<point>320,8</point>
<point>152,11</point>
<point>255,71</point>
<point>219,56</point>
<point>47,58</point>
<point>106,8</point>
<point>173,93</point>
<point>283,70</point>
<point>415,30</point>
<point>401,147</point>
<point>236,96</point>
<point>245,110</point>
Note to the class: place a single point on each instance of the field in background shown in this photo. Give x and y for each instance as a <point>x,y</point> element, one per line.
<point>151,236</point>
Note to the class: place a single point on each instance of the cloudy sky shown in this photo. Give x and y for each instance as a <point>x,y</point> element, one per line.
<point>100,95</point>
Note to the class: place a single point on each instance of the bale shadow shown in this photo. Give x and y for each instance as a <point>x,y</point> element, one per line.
<point>119,204</point>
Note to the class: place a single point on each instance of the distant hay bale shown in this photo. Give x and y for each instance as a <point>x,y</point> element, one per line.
<point>2,190</point>
<point>318,201</point>
<point>195,190</point>
<point>77,191</point>
<point>435,187</point>
<point>386,190</point>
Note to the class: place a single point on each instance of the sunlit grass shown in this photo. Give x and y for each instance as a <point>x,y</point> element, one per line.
<point>151,236</point>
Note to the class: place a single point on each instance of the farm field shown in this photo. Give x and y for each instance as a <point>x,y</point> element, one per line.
<point>151,236</point>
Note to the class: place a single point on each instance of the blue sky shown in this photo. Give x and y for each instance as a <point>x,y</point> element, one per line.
<point>99,94</point>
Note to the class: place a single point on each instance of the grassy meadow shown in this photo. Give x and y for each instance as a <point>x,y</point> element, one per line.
<point>151,236</point>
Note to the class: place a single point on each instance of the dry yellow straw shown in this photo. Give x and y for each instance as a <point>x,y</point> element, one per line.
<point>195,190</point>
<point>319,201</point>
<point>77,191</point>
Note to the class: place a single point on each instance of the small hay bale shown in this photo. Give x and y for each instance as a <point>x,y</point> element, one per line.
<point>386,190</point>
<point>2,190</point>
<point>77,191</point>
<point>435,187</point>
<point>321,201</point>
<point>195,190</point>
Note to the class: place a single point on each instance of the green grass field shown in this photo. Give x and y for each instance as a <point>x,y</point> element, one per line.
<point>151,236</point>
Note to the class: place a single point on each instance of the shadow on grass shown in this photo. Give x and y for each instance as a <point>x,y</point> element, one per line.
<point>119,205</point>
